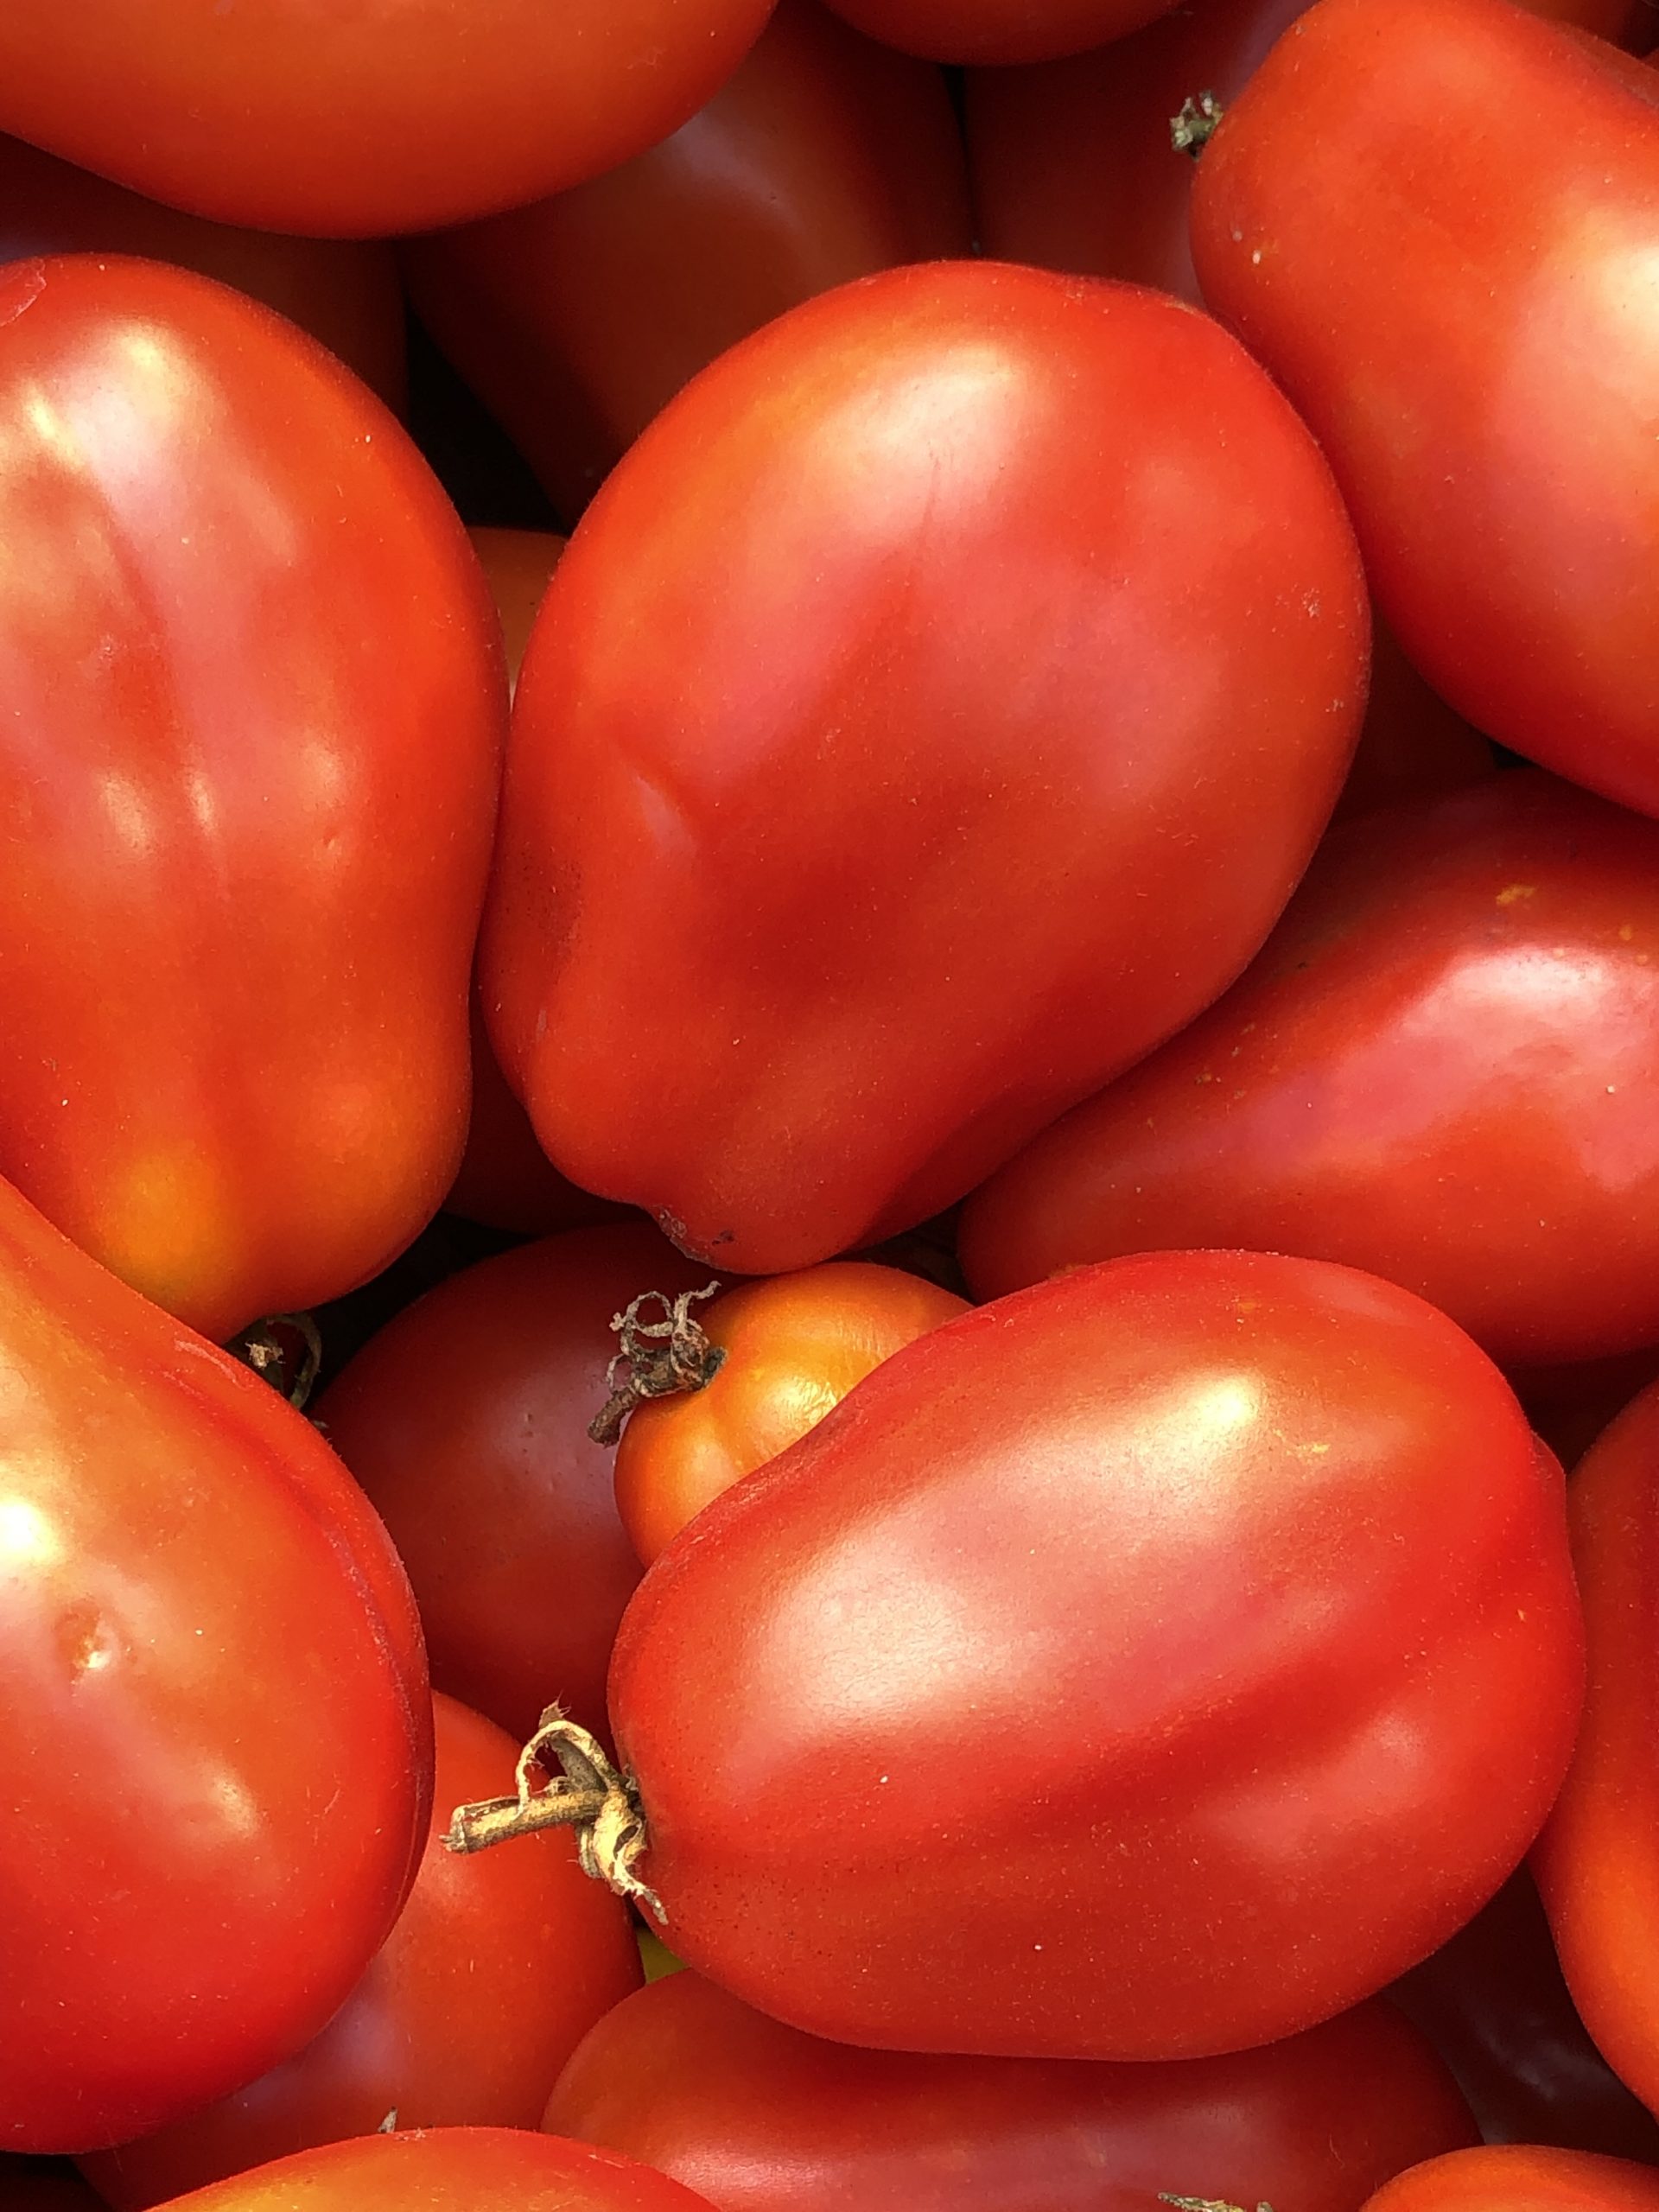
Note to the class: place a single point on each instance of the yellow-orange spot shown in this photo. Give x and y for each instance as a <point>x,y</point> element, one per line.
<point>1511,892</point>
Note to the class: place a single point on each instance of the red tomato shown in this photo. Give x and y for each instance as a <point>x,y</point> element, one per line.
<point>213,1723</point>
<point>346,295</point>
<point>997,30</point>
<point>789,1349</point>
<point>1147,1665</point>
<point>818,894</point>
<point>1569,1405</point>
<point>1522,2177</point>
<point>448,2170</point>
<point>251,756</point>
<point>576,320</point>
<point>466,1421</point>
<point>1411,744</point>
<point>1493,2003</point>
<point>1439,1069</point>
<point>759,2118</point>
<point>1598,1862</point>
<point>356,121</point>
<point>498,1967</point>
<point>1431,219</point>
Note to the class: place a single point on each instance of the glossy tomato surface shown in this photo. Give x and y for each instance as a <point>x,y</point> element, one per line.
<point>1434,223</point>
<point>497,1968</point>
<point>213,1723</point>
<point>997,30</point>
<point>1438,1069</point>
<point>1522,2177</point>
<point>253,713</point>
<point>818,892</point>
<point>759,2118</point>
<point>356,119</point>
<point>1146,1665</point>
<point>823,157</point>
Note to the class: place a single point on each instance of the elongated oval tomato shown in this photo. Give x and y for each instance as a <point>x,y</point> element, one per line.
<point>1522,2177</point>
<point>1439,1069</point>
<point>497,1968</point>
<point>1144,1666</point>
<point>1433,222</point>
<point>759,2118</point>
<point>819,892</point>
<point>997,30</point>
<point>357,120</point>
<point>576,319</point>
<point>250,719</point>
<point>213,1726</point>
<point>1598,1863</point>
<point>449,2170</point>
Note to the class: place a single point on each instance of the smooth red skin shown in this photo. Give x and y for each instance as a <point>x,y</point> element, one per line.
<point>1494,2005</point>
<point>759,2118</point>
<point>991,31</point>
<point>1439,1069</point>
<point>448,2170</point>
<point>358,120</point>
<point>1597,1861</point>
<point>823,158</point>
<point>466,1421</point>
<point>1427,219</point>
<point>252,752</point>
<point>498,1967</point>
<point>346,295</point>
<point>972,692</point>
<point>216,1733</point>
<point>1145,1666</point>
<point>1521,2177</point>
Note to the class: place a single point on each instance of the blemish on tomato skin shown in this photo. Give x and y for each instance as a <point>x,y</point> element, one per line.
<point>1512,892</point>
<point>20,287</point>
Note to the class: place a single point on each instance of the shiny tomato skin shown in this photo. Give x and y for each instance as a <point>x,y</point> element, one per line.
<point>1438,1069</point>
<point>793,1346</point>
<point>1428,220</point>
<point>576,319</point>
<point>250,750</point>
<point>1597,1863</point>
<point>216,1736</point>
<point>356,120</point>
<point>1522,2177</point>
<point>1147,1665</point>
<point>497,1968</point>
<point>889,812</point>
<point>466,1421</point>
<point>759,2118</point>
<point>448,2170</point>
<point>998,30</point>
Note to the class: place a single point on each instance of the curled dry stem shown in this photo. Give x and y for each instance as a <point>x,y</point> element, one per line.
<point>1205,2204</point>
<point>287,1350</point>
<point>1190,132</point>
<point>661,1357</point>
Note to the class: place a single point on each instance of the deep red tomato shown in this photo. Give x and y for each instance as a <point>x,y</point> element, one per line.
<point>1493,2003</point>
<point>973,703</point>
<point>1598,1862</point>
<point>1147,1665</point>
<point>214,1724</point>
<point>1431,218</point>
<point>1570,1404</point>
<point>997,30</point>
<point>823,158</point>
<point>356,121</point>
<point>466,1421</point>
<point>1411,744</point>
<point>250,752</point>
<point>449,2170</point>
<point>759,2118</point>
<point>345,294</point>
<point>498,1967</point>
<point>1522,2177</point>
<point>1439,1069</point>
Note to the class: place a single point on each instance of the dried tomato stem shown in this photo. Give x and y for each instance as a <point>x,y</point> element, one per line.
<point>267,1346</point>
<point>661,1357</point>
<point>1205,2204</point>
<point>1190,132</point>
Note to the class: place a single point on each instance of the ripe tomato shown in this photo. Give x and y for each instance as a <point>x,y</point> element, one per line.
<point>1439,1069</point>
<point>250,754</point>
<point>823,158</point>
<point>780,861</point>
<point>213,1723</point>
<point>997,30</point>
<point>466,1421</point>
<point>497,1968</point>
<point>1147,1665</point>
<point>1598,1862</point>
<point>1522,2177</point>
<point>789,1348</point>
<point>759,2118</point>
<point>1431,221</point>
<point>355,122</point>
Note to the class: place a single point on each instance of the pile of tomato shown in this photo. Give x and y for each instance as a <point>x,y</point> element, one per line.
<point>830,1105</point>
